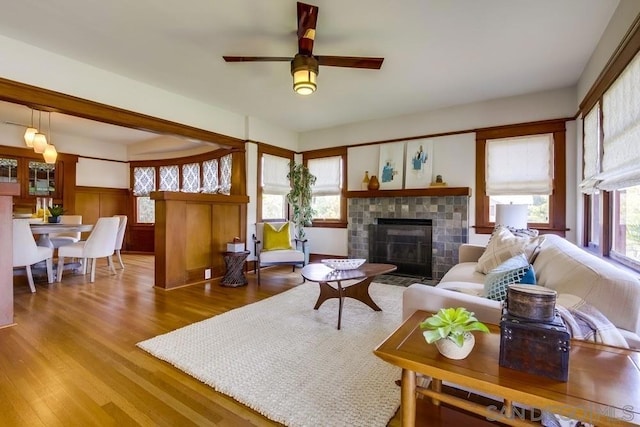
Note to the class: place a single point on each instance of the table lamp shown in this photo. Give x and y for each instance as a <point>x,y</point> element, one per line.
<point>512,215</point>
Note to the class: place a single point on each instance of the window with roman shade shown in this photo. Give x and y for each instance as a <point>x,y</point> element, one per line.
<point>191,177</point>
<point>327,190</point>
<point>144,181</point>
<point>520,165</point>
<point>169,178</point>
<point>274,174</point>
<point>275,186</point>
<point>621,128</point>
<point>591,150</point>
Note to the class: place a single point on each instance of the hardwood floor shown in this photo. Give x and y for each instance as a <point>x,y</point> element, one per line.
<point>71,358</point>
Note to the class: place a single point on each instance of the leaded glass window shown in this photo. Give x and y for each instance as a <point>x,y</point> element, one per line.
<point>210,176</point>
<point>191,178</point>
<point>42,179</point>
<point>169,178</point>
<point>8,170</point>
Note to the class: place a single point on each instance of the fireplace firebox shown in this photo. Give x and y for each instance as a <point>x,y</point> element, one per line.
<point>406,243</point>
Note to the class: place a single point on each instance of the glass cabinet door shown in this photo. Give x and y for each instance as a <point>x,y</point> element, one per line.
<point>42,179</point>
<point>8,170</point>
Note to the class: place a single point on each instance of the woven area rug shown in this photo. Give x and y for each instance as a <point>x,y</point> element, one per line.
<point>288,361</point>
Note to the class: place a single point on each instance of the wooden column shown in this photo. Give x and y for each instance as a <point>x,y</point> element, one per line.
<point>7,191</point>
<point>191,233</point>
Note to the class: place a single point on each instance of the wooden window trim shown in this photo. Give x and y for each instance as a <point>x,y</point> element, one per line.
<point>332,152</point>
<point>274,151</point>
<point>557,200</point>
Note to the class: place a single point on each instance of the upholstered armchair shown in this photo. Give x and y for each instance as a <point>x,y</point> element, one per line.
<point>274,244</point>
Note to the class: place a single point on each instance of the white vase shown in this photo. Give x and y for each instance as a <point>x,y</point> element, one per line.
<point>451,350</point>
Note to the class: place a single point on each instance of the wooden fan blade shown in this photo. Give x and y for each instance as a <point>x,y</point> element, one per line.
<point>307,20</point>
<point>256,58</point>
<point>350,62</point>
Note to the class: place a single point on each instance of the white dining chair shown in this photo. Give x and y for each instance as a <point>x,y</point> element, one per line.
<point>100,244</point>
<point>66,238</point>
<point>122,227</point>
<point>27,253</point>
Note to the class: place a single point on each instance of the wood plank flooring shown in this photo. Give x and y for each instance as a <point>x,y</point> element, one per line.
<point>71,360</point>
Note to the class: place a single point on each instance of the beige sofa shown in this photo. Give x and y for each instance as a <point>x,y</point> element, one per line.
<point>560,265</point>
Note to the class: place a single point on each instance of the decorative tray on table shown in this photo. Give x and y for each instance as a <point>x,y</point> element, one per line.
<point>344,263</point>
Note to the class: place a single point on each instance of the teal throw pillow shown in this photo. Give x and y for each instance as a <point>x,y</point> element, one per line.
<point>509,272</point>
<point>529,277</point>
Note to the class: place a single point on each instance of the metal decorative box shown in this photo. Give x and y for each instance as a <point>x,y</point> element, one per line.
<point>539,348</point>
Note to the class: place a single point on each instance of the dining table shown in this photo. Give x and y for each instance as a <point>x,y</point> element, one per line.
<point>43,229</point>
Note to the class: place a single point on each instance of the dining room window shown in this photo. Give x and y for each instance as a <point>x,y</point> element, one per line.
<point>144,182</point>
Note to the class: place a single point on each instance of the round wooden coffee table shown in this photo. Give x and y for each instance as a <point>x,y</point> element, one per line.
<point>360,290</point>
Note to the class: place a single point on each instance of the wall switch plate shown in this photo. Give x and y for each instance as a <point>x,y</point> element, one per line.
<point>207,273</point>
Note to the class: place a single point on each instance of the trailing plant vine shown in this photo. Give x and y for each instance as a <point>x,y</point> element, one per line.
<point>300,197</point>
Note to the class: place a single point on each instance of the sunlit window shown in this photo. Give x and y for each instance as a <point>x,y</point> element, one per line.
<point>626,223</point>
<point>327,190</point>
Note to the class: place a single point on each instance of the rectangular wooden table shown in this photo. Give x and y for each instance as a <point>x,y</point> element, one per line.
<point>603,387</point>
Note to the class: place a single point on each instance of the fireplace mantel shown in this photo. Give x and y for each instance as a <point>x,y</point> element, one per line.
<point>417,192</point>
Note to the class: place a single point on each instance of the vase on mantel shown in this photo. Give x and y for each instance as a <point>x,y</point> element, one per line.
<point>374,184</point>
<point>365,181</point>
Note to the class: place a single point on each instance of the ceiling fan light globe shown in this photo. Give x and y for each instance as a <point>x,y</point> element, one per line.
<point>304,82</point>
<point>29,134</point>
<point>39,143</point>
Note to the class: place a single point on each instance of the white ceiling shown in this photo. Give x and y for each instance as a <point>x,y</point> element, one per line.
<point>438,53</point>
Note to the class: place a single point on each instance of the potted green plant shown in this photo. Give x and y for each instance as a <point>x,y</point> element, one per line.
<point>450,329</point>
<point>54,213</point>
<point>300,198</point>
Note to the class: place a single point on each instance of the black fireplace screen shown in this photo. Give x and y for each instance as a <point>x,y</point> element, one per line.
<point>406,243</point>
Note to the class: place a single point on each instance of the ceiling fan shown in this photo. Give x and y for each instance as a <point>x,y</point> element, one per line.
<point>304,65</point>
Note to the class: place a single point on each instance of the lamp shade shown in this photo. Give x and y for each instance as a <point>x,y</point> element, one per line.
<point>512,215</point>
<point>39,143</point>
<point>29,134</point>
<point>50,154</point>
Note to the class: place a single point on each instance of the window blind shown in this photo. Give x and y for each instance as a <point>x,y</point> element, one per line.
<point>591,152</point>
<point>621,125</point>
<point>327,171</point>
<point>521,165</point>
<point>144,181</point>
<point>274,174</point>
<point>169,178</point>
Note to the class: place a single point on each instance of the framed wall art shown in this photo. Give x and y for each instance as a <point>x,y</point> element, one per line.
<point>419,163</point>
<point>391,169</point>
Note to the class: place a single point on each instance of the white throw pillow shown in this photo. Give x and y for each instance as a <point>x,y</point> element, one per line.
<point>502,245</point>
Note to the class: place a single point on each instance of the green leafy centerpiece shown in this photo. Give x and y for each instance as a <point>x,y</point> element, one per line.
<point>450,329</point>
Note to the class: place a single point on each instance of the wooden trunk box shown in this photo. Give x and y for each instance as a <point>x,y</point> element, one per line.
<point>534,347</point>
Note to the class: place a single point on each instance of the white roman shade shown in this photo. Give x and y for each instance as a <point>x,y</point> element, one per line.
<point>327,171</point>
<point>591,151</point>
<point>520,165</point>
<point>621,125</point>
<point>274,174</point>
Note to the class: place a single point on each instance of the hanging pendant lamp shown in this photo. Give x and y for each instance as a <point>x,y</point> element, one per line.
<point>30,133</point>
<point>39,139</point>
<point>50,154</point>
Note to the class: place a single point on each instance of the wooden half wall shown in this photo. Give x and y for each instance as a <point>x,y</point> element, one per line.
<point>95,202</point>
<point>191,234</point>
<point>7,192</point>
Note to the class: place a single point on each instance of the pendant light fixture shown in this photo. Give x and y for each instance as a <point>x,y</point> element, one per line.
<point>30,133</point>
<point>50,154</point>
<point>39,139</point>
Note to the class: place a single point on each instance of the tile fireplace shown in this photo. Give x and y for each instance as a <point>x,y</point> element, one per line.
<point>449,224</point>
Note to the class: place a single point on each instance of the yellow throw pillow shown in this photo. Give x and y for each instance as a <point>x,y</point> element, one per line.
<point>276,239</point>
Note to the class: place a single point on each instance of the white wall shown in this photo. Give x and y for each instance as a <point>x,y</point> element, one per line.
<point>102,173</point>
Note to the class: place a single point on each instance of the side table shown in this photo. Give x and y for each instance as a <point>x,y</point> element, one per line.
<point>234,276</point>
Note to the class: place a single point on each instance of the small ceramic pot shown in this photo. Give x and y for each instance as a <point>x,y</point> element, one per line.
<point>374,184</point>
<point>449,349</point>
<point>54,219</point>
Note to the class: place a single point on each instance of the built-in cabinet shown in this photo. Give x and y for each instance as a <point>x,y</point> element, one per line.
<point>36,178</point>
